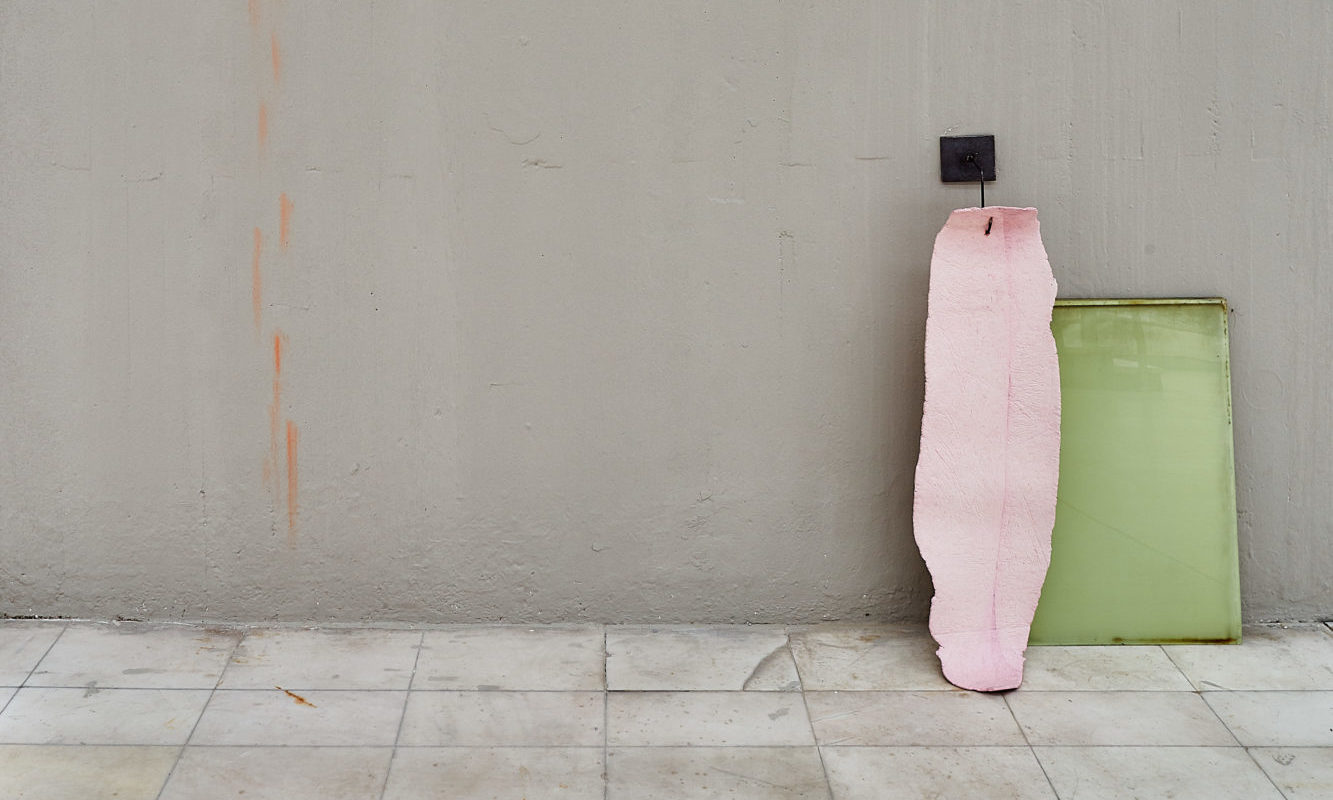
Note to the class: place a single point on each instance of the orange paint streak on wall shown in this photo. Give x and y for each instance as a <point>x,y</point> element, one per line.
<point>277,57</point>
<point>254,13</point>
<point>273,459</point>
<point>263,125</point>
<point>284,221</point>
<point>292,436</point>
<point>256,279</point>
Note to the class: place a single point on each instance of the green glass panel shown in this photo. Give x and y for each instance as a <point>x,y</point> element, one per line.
<point>1144,547</point>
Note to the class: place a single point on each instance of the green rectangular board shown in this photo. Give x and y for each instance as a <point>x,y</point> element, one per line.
<point>1144,546</point>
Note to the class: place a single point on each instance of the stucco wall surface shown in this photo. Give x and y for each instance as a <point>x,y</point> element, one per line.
<point>600,311</point>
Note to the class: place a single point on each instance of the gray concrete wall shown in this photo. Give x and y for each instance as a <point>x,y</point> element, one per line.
<point>606,311</point>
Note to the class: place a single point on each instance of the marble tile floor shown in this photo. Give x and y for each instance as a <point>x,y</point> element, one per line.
<point>844,712</point>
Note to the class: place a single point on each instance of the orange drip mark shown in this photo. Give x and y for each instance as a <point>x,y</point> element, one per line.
<point>277,57</point>
<point>254,13</point>
<point>272,460</point>
<point>292,436</point>
<point>284,221</point>
<point>263,125</point>
<point>256,279</point>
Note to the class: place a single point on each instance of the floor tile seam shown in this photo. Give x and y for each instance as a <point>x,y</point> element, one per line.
<point>301,688</point>
<point>227,665</point>
<point>1101,746</point>
<point>762,692</point>
<point>1028,742</point>
<point>37,664</point>
<point>399,746</point>
<point>1015,747</point>
<point>1025,692</point>
<point>628,692</point>
<point>711,746</point>
<point>203,709</point>
<point>224,689</point>
<point>496,691</point>
<point>501,746</point>
<point>858,690</point>
<point>90,744</point>
<point>810,718</point>
<point>1167,652</point>
<point>1030,692</point>
<point>654,746</point>
<point>626,746</point>
<point>742,746</point>
<point>1229,747</point>
<point>402,714</point>
<point>1152,745</point>
<point>1012,693</point>
<point>639,744</point>
<point>1254,759</point>
<point>1288,747</point>
<point>941,746</point>
<point>1235,737</point>
<point>1203,692</point>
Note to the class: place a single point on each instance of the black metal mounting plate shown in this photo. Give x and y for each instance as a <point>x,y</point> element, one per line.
<point>955,164</point>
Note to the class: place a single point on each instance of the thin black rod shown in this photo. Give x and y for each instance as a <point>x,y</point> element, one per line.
<point>982,181</point>
<point>975,160</point>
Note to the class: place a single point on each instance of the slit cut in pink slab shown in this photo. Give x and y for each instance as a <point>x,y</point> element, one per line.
<point>990,442</point>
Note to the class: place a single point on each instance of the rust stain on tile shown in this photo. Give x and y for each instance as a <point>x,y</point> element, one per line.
<point>296,698</point>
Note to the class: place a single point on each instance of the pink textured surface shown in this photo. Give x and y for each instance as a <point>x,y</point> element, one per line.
<point>990,442</point>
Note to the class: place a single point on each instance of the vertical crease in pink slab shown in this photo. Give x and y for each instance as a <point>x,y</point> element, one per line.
<point>990,442</point>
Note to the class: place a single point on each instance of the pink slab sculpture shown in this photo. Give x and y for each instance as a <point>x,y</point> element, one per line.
<point>990,442</point>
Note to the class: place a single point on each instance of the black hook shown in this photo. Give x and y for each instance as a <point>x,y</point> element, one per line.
<point>972,158</point>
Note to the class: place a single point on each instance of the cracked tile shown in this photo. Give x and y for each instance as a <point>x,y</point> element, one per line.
<point>101,716</point>
<point>1117,718</point>
<point>957,773</point>
<point>336,718</point>
<point>533,773</point>
<point>1180,773</point>
<point>35,772</point>
<point>279,773</point>
<point>1276,719</point>
<point>323,659</point>
<point>512,658</point>
<point>504,719</point>
<point>752,658</point>
<point>680,719</point>
<point>1073,669</point>
<point>867,658</point>
<point>1300,772</point>
<point>136,656</point>
<point>1295,657</point>
<point>22,645</point>
<point>912,718</point>
<point>737,773</point>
